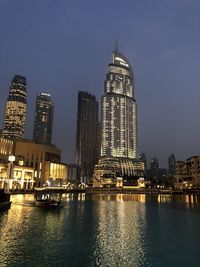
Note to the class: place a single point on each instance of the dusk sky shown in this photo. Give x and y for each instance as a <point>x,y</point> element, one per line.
<point>63,46</point>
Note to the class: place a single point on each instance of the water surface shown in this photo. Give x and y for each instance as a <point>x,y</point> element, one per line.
<point>102,230</point>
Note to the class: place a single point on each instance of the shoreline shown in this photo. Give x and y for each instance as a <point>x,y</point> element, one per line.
<point>120,191</point>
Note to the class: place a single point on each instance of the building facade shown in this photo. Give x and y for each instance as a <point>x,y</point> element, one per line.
<point>119,111</point>
<point>187,173</point>
<point>6,149</point>
<point>15,112</point>
<point>119,152</point>
<point>22,177</point>
<point>86,135</point>
<point>39,157</point>
<point>118,172</point>
<point>43,123</point>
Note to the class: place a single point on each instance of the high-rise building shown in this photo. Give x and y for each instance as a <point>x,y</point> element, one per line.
<point>43,123</point>
<point>15,113</point>
<point>119,112</point>
<point>86,134</point>
<point>172,164</point>
<point>119,155</point>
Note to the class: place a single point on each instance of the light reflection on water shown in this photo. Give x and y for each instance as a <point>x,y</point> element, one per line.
<point>120,240</point>
<point>102,230</point>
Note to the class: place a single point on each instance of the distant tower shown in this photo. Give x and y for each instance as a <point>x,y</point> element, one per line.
<point>15,113</point>
<point>43,122</point>
<point>144,159</point>
<point>172,164</point>
<point>154,167</point>
<point>154,164</point>
<point>119,111</point>
<point>86,134</point>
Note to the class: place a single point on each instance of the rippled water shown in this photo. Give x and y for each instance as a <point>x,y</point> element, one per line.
<point>102,230</point>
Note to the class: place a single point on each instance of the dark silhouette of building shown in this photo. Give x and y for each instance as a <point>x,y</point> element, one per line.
<point>43,122</point>
<point>171,164</point>
<point>86,135</point>
<point>156,175</point>
<point>154,167</point>
<point>171,169</point>
<point>144,159</point>
<point>15,112</point>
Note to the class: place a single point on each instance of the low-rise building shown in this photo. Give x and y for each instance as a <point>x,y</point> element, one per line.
<point>39,162</point>
<point>20,177</point>
<point>117,172</point>
<point>45,159</point>
<point>187,173</point>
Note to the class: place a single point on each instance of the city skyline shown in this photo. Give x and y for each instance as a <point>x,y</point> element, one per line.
<point>165,58</point>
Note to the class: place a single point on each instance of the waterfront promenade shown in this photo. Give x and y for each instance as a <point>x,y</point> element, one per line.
<point>91,190</point>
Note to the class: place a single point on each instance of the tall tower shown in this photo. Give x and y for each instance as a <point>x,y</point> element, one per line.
<point>86,134</point>
<point>15,113</point>
<point>119,112</point>
<point>43,122</point>
<point>171,164</point>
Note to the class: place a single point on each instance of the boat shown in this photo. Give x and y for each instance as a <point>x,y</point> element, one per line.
<point>48,197</point>
<point>5,202</point>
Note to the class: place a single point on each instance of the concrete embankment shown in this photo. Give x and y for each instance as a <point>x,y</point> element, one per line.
<point>118,191</point>
<point>140,191</point>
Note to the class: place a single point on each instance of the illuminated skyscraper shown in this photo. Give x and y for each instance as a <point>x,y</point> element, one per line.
<point>15,113</point>
<point>86,134</point>
<point>43,123</point>
<point>119,112</point>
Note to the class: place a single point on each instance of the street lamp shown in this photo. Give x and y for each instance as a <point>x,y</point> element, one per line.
<point>11,160</point>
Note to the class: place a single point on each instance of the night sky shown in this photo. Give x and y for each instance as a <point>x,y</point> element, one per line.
<point>63,46</point>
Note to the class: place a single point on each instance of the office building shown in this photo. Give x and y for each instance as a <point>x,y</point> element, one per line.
<point>15,112</point>
<point>43,122</point>
<point>86,135</point>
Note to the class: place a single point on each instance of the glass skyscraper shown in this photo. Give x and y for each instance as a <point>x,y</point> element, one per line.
<point>87,135</point>
<point>43,123</point>
<point>119,111</point>
<point>119,164</point>
<point>15,113</point>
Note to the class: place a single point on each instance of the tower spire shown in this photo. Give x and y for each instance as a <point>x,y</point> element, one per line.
<point>116,45</point>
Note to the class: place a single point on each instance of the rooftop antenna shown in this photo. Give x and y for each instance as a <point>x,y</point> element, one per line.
<point>116,45</point>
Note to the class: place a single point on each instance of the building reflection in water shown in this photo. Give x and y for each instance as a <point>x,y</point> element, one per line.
<point>25,230</point>
<point>12,231</point>
<point>97,230</point>
<point>121,227</point>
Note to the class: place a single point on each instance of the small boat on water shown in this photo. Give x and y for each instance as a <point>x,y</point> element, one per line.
<point>4,200</point>
<point>48,197</point>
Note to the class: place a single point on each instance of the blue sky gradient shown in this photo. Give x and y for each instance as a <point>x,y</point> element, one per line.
<point>65,46</point>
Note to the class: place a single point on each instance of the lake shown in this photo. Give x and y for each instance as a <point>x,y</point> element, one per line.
<point>102,230</point>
